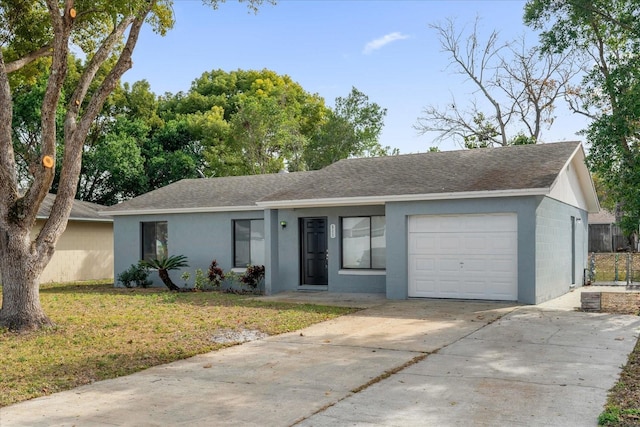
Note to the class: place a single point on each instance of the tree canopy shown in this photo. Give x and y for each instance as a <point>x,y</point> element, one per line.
<point>608,33</point>
<point>49,103</point>
<point>228,123</point>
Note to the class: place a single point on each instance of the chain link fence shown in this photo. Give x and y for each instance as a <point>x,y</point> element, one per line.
<point>614,269</point>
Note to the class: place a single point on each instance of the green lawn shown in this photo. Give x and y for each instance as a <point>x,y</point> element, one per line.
<point>103,332</point>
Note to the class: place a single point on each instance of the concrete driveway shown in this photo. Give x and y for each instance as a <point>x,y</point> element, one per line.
<point>418,362</point>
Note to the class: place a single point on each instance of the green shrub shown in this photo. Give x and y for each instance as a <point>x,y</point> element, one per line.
<point>164,265</point>
<point>216,275</point>
<point>136,276</point>
<point>253,276</point>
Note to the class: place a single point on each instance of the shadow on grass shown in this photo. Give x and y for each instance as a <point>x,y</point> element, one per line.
<point>199,298</point>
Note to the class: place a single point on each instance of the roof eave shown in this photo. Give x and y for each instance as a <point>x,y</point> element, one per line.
<point>208,209</point>
<point>105,219</point>
<point>381,200</point>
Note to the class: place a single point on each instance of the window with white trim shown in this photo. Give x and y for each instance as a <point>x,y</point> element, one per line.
<point>154,240</point>
<point>248,242</point>
<point>364,242</point>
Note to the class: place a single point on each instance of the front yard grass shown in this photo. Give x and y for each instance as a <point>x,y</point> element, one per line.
<point>104,332</point>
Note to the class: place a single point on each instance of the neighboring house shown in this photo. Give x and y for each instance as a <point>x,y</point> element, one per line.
<point>604,233</point>
<point>500,224</point>
<point>85,249</point>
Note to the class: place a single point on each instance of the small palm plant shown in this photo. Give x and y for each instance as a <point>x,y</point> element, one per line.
<point>166,264</point>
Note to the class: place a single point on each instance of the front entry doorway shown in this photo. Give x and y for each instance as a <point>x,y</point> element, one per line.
<point>313,251</point>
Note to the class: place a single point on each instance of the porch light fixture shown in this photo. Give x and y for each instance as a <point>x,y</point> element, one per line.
<point>283,224</point>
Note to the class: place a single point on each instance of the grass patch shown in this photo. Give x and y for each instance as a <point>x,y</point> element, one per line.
<point>623,402</point>
<point>610,267</point>
<point>104,332</point>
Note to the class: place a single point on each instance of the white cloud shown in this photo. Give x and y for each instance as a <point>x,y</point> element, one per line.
<point>383,41</point>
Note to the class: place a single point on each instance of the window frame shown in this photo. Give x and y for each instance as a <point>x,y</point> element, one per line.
<point>143,253</point>
<point>234,241</point>
<point>342,239</point>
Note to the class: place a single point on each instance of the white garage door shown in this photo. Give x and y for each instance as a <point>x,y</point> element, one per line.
<point>464,256</point>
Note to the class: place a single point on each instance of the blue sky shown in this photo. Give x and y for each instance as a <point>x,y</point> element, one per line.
<point>384,48</point>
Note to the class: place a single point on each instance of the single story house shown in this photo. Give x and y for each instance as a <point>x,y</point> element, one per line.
<point>85,249</point>
<point>504,223</point>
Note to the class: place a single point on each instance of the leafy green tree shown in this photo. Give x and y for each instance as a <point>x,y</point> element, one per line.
<point>266,135</point>
<point>257,121</point>
<point>35,34</point>
<point>113,166</point>
<point>608,33</point>
<point>248,121</point>
<point>351,130</point>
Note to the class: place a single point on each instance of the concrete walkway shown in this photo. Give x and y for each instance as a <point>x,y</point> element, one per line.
<point>417,362</point>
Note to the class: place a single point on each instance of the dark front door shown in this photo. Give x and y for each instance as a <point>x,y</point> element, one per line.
<point>313,246</point>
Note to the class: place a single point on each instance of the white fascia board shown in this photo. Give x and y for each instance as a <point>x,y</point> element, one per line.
<point>381,200</point>
<point>182,210</point>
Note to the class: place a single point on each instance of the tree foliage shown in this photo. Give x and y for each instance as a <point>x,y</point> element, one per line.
<point>352,129</point>
<point>228,123</point>
<point>51,124</point>
<point>517,87</point>
<point>608,32</point>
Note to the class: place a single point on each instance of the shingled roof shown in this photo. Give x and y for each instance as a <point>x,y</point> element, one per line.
<point>80,211</point>
<point>208,194</point>
<point>525,167</point>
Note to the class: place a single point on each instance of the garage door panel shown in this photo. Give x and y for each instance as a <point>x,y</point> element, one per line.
<point>447,265</point>
<point>463,256</point>
<point>473,244</point>
<point>426,244</point>
<point>427,286</point>
<point>436,243</point>
<point>473,266</point>
<point>503,242</point>
<point>423,265</point>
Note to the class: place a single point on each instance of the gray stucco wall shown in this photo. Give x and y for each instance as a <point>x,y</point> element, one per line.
<point>288,257</point>
<point>544,243</point>
<point>554,248</point>
<point>201,237</point>
<point>397,237</point>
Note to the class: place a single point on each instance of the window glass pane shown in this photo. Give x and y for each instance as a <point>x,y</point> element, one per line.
<point>148,240</point>
<point>356,251</point>
<point>242,243</point>
<point>257,242</point>
<point>378,242</point>
<point>162,250</point>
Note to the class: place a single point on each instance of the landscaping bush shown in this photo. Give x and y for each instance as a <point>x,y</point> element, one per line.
<point>253,276</point>
<point>216,275</point>
<point>164,266</point>
<point>136,276</point>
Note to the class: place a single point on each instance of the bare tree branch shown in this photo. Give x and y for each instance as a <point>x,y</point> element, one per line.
<point>519,85</point>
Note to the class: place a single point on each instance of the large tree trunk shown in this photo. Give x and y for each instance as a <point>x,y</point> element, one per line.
<point>21,309</point>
